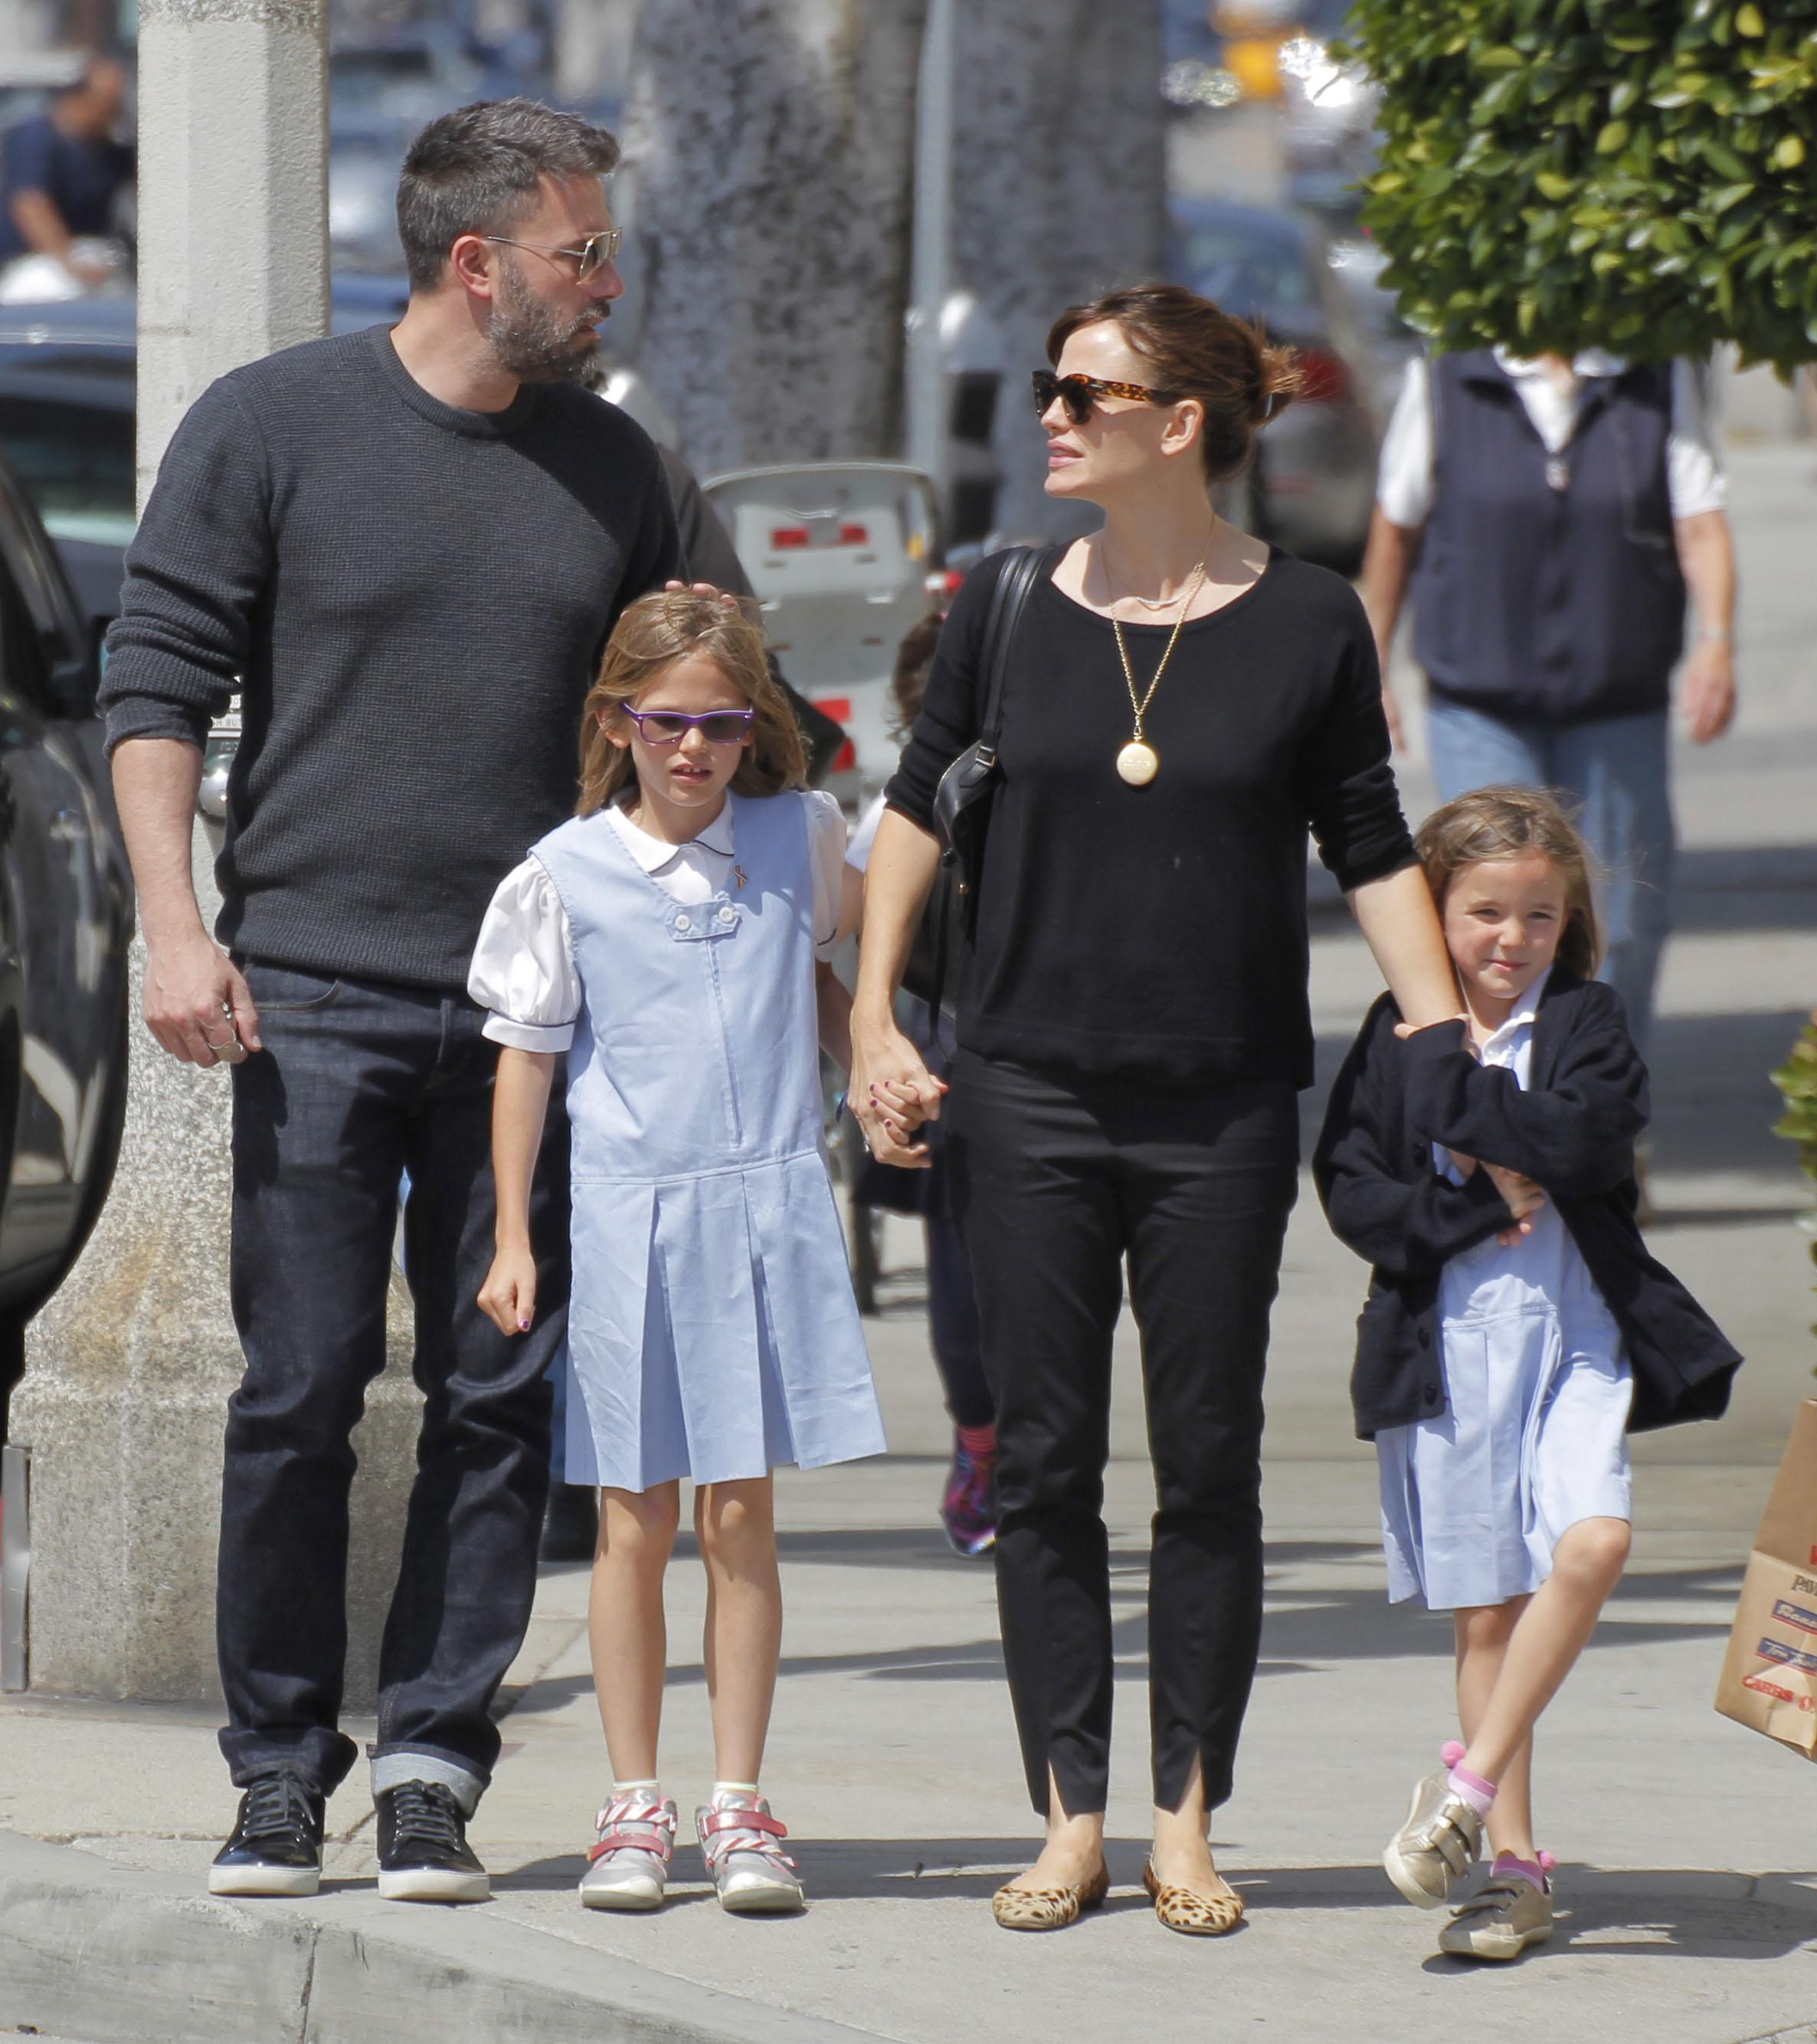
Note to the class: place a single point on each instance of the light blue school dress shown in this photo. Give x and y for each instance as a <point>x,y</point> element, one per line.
<point>713,1332</point>
<point>1535,1434</point>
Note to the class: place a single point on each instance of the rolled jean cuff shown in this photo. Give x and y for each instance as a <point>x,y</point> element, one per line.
<point>390,1770</point>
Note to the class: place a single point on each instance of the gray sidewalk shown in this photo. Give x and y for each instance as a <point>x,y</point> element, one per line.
<point>1681,1837</point>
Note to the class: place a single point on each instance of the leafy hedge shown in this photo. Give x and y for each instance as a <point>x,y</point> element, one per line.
<point>1637,174</point>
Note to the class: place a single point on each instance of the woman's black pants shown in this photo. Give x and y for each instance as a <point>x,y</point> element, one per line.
<point>1057,1178</point>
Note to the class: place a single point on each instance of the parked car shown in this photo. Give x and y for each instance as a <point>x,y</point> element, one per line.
<point>1315,480</point>
<point>1359,259</point>
<point>65,924</point>
<point>842,554</point>
<point>68,388</point>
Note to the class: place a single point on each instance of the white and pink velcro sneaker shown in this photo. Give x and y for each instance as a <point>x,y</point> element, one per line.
<point>628,1865</point>
<point>741,1843</point>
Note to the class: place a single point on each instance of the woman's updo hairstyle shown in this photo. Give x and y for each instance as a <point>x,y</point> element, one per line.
<point>1195,350</point>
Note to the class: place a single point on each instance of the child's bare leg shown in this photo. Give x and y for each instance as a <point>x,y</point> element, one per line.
<point>736,1524</point>
<point>1484,1631</point>
<point>626,1632</point>
<point>1551,1633</point>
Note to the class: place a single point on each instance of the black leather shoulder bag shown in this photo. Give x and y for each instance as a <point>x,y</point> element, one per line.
<point>961,802</point>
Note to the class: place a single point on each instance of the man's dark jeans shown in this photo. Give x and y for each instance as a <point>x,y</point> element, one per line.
<point>358,1083</point>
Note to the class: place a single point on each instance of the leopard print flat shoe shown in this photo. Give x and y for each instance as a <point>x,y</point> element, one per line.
<point>1050,1909</point>
<point>1186,1910</point>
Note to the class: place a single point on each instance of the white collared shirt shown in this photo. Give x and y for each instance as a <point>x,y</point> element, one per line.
<point>1405,481</point>
<point>1510,1047</point>
<point>523,968</point>
<point>1544,1266</point>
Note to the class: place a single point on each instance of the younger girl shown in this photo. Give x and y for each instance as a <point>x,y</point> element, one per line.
<point>675,932</point>
<point>1516,1329</point>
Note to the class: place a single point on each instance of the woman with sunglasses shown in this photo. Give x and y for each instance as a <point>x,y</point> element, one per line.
<point>675,933</point>
<point>1180,703</point>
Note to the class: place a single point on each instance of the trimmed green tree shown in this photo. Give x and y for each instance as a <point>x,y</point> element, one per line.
<point>1636,174</point>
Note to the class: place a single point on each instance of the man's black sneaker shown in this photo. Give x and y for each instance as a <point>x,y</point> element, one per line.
<point>423,1852</point>
<point>276,1848</point>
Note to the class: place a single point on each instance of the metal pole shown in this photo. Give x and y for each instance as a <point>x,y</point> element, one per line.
<point>930,270</point>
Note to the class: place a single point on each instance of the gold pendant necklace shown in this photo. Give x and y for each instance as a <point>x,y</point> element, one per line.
<point>1137,762</point>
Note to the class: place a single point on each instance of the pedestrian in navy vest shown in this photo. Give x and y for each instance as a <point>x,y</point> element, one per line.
<point>1548,516</point>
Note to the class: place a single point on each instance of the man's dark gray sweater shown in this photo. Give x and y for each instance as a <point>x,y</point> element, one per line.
<point>413,599</point>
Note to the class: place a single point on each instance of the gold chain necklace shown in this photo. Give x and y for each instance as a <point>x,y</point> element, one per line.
<point>1137,762</point>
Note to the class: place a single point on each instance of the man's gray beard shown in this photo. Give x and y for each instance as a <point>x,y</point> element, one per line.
<point>533,343</point>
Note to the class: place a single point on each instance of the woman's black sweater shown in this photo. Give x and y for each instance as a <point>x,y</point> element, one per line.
<point>1160,932</point>
<point>1573,1131</point>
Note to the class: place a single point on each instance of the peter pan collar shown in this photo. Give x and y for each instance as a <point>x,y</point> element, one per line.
<point>654,853</point>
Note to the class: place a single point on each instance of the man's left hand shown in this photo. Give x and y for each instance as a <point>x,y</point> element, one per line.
<point>1707,693</point>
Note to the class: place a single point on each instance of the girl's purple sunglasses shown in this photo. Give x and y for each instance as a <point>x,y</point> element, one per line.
<point>670,726</point>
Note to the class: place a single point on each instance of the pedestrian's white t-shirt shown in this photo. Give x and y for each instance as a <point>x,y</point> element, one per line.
<point>1694,477</point>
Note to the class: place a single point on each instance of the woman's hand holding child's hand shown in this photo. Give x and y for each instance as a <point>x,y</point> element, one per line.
<point>898,1107</point>
<point>508,1297</point>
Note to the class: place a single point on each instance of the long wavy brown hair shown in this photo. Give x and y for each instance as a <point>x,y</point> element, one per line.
<point>1514,823</point>
<point>650,635</point>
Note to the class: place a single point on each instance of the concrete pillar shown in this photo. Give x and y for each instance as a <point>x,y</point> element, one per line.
<point>129,1366</point>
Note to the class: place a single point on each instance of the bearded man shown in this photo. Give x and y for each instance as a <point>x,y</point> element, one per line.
<point>406,546</point>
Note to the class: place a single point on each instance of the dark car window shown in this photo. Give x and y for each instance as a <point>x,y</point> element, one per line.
<point>24,663</point>
<point>109,366</point>
<point>46,638</point>
<point>1246,272</point>
<point>76,463</point>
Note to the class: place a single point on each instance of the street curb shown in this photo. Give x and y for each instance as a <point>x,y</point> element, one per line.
<point>117,1957</point>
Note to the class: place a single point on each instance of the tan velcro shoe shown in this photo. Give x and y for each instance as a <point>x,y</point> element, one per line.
<point>1500,1921</point>
<point>1436,1846</point>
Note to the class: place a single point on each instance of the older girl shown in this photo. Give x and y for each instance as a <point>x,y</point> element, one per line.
<point>675,932</point>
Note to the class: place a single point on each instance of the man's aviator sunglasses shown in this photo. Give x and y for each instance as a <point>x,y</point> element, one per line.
<point>670,726</point>
<point>1079,394</point>
<point>590,257</point>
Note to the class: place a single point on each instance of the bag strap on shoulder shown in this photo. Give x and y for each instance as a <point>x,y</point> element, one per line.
<point>1015,580</point>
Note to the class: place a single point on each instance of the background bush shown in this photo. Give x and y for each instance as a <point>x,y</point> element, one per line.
<point>1628,173</point>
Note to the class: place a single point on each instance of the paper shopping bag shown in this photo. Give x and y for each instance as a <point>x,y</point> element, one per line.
<point>1769,1676</point>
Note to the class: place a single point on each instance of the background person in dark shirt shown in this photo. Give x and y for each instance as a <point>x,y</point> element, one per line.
<point>409,545</point>
<point>62,171</point>
<point>1132,1025</point>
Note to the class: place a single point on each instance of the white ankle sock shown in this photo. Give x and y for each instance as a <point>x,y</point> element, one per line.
<point>733,1788</point>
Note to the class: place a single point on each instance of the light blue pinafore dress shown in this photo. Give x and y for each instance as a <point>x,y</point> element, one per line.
<point>1533,1435</point>
<point>713,1332</point>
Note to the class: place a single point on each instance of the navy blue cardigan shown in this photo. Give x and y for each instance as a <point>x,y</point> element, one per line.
<point>1573,1131</point>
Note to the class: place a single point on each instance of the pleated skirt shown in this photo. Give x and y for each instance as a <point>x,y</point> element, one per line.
<point>1475,1501</point>
<point>714,1333</point>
